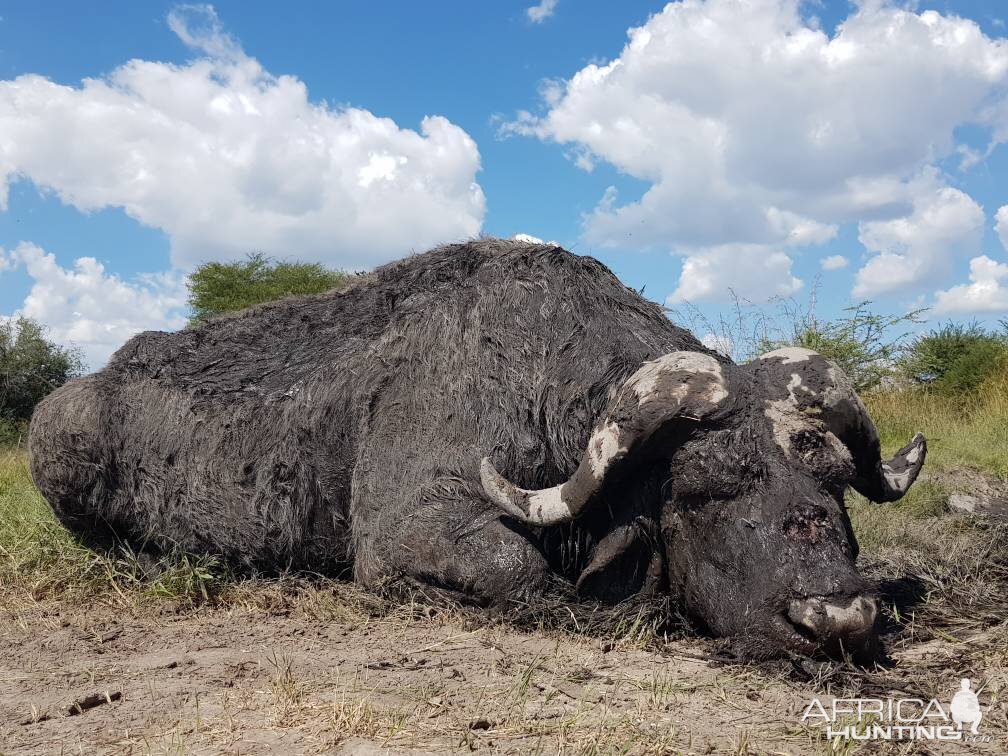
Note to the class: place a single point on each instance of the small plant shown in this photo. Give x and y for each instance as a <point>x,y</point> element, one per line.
<point>288,688</point>
<point>184,576</point>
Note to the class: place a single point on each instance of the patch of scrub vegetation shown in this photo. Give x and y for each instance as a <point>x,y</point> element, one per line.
<point>955,358</point>
<point>216,288</point>
<point>31,366</point>
<point>963,429</point>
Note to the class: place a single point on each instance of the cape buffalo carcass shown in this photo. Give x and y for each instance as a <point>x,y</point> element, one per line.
<point>460,418</point>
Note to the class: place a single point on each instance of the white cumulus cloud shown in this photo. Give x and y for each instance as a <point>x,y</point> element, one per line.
<point>987,290</point>
<point>921,245</point>
<point>539,13</point>
<point>752,272</point>
<point>1001,225</point>
<point>753,126</point>
<point>719,342</point>
<point>834,262</point>
<point>97,311</point>
<point>227,158</point>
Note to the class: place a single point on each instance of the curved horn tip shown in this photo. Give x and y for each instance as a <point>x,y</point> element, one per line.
<point>545,507</point>
<point>902,470</point>
<point>915,450</point>
<point>501,491</point>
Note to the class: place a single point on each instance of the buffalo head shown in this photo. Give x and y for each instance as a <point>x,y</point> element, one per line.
<point>754,460</point>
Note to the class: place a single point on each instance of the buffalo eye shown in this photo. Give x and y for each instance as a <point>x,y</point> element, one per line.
<point>806,442</point>
<point>809,523</point>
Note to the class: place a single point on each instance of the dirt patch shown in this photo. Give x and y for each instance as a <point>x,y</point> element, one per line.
<point>989,494</point>
<point>249,680</point>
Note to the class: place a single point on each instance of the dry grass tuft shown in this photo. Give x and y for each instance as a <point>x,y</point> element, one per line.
<point>941,576</point>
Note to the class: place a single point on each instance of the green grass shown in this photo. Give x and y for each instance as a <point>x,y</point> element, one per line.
<point>969,431</point>
<point>40,559</point>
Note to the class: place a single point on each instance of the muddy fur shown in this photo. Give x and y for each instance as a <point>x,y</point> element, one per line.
<point>341,433</point>
<point>295,433</point>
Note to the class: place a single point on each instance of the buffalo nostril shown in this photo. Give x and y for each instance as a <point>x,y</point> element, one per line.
<point>830,619</point>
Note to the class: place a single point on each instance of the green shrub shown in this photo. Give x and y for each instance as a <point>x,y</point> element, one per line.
<point>30,367</point>
<point>973,369</point>
<point>12,432</point>
<point>216,288</point>
<point>955,358</point>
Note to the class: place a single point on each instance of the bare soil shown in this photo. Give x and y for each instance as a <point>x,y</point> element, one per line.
<point>249,680</point>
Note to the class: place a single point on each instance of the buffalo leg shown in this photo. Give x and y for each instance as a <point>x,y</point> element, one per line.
<point>466,549</point>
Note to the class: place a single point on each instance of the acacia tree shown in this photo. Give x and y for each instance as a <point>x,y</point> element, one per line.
<point>31,366</point>
<point>216,288</point>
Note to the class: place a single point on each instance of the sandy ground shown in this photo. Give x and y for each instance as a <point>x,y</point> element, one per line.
<point>249,680</point>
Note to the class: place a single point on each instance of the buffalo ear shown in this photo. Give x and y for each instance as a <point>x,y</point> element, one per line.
<point>625,562</point>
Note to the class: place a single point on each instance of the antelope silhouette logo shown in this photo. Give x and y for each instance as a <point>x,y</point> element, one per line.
<point>965,707</point>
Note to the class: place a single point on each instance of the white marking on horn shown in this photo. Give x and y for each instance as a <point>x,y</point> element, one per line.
<point>604,448</point>
<point>897,481</point>
<point>545,507</point>
<point>499,489</point>
<point>606,445</point>
<point>913,455</point>
<point>548,507</point>
<point>794,383</point>
<point>784,421</point>
<point>645,380</point>
<point>901,481</point>
<point>790,354</point>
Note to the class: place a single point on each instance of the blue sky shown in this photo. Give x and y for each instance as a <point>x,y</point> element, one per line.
<point>753,146</point>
